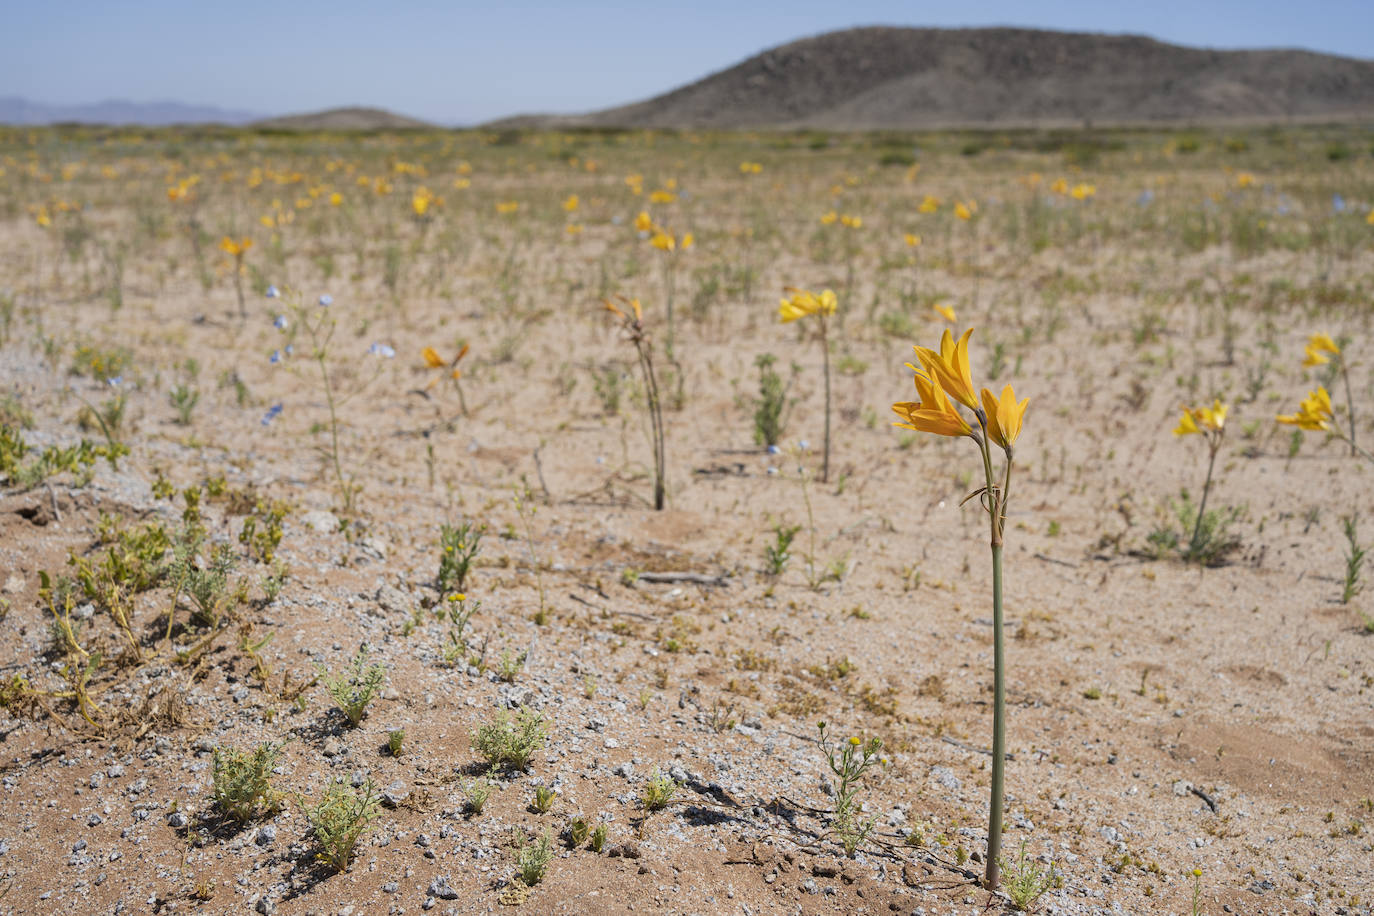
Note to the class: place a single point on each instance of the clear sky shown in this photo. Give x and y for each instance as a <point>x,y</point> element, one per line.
<point>465,63</point>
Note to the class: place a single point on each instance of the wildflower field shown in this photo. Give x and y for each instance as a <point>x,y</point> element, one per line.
<point>565,522</point>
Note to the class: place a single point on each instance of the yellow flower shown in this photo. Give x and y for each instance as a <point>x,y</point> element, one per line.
<point>507,207</point>
<point>642,222</point>
<point>573,229</point>
<point>229,246</point>
<point>572,203</point>
<point>962,211</point>
<point>663,241</point>
<point>804,302</point>
<point>912,240</point>
<point>852,222</point>
<point>829,218</point>
<point>933,413</point>
<point>687,241</point>
<point>632,303</point>
<point>855,741</point>
<point>944,311</point>
<point>335,199</point>
<point>1314,413</point>
<point>951,368</point>
<point>1370,217</point>
<point>1083,191</point>
<point>460,184</point>
<point>432,358</point>
<point>1202,419</point>
<point>1004,416</point>
<point>929,205</point>
<point>420,202</point>
<point>1060,186</point>
<point>662,197</point>
<point>1244,180</point>
<point>1323,342</point>
<point>42,218</point>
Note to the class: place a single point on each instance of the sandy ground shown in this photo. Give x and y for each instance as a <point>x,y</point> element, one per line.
<point>1164,717</point>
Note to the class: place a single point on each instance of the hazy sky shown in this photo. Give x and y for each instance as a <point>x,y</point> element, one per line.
<point>461,63</point>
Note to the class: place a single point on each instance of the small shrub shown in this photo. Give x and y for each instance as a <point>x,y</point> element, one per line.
<point>777,554</point>
<point>354,687</point>
<point>510,740</point>
<point>578,831</point>
<point>340,819</point>
<point>544,797</point>
<point>459,546</point>
<point>772,405</point>
<point>598,841</point>
<point>532,860</point>
<point>242,781</point>
<point>476,793</point>
<point>658,791</point>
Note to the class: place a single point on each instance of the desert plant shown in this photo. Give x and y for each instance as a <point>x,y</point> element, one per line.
<point>777,554</point>
<point>658,791</point>
<point>532,859</point>
<point>510,740</point>
<point>772,405</point>
<point>242,780</point>
<point>353,688</point>
<point>340,819</point>
<point>822,305</point>
<point>475,794</point>
<point>1207,541</point>
<point>633,326</point>
<point>544,797</point>
<point>459,545</point>
<point>848,762</point>
<point>1026,880</point>
<point>1354,558</point>
<point>943,375</point>
<point>183,399</point>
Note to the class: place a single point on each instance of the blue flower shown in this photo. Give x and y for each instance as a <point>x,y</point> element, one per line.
<point>290,349</point>
<point>115,382</point>
<point>272,413</point>
<point>803,445</point>
<point>773,450</point>
<point>1146,198</point>
<point>326,300</point>
<point>275,357</point>
<point>1337,203</point>
<point>273,292</point>
<point>280,323</point>
<point>381,349</point>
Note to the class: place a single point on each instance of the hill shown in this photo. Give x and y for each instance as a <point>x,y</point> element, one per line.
<point>16,110</point>
<point>909,78</point>
<point>343,119</point>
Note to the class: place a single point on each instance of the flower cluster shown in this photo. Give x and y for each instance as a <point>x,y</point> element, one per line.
<point>1314,412</point>
<point>1203,420</point>
<point>804,302</point>
<point>946,374</point>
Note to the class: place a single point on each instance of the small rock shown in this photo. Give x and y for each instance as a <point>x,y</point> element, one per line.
<point>630,849</point>
<point>826,869</point>
<point>1182,788</point>
<point>945,777</point>
<point>267,835</point>
<point>441,889</point>
<point>265,906</point>
<point>392,600</point>
<point>176,820</point>
<point>333,747</point>
<point>395,795</point>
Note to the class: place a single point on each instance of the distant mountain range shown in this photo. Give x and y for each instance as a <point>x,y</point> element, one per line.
<point>906,78</point>
<point>15,110</point>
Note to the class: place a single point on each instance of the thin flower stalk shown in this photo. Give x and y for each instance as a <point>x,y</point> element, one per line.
<point>944,384</point>
<point>822,305</point>
<point>631,316</point>
<point>1209,422</point>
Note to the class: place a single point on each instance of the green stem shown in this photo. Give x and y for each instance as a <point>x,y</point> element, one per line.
<point>999,722</point>
<point>1349,405</point>
<point>345,491</point>
<point>1206,489</point>
<point>825,356</point>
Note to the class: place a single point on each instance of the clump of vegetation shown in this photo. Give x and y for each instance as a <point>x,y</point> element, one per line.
<point>459,546</point>
<point>532,859</point>
<point>658,791</point>
<point>353,688</point>
<point>1207,536</point>
<point>848,762</point>
<point>1025,881</point>
<point>340,820</point>
<point>242,781</point>
<point>772,405</point>
<point>510,740</point>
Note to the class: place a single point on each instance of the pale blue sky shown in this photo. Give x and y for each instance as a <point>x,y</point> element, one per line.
<point>461,63</point>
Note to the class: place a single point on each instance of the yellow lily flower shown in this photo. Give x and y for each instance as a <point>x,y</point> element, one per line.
<point>642,222</point>
<point>912,240</point>
<point>1004,416</point>
<point>805,302</point>
<point>929,205</point>
<point>1324,343</point>
<point>572,203</point>
<point>962,211</point>
<point>951,367</point>
<point>432,358</point>
<point>944,311</point>
<point>829,218</point>
<point>1314,413</point>
<point>933,413</point>
<point>1186,424</point>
